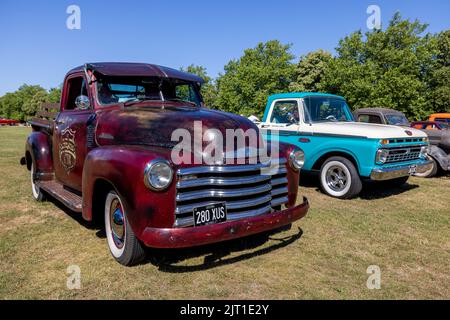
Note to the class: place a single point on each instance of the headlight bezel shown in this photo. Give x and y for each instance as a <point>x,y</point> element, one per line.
<point>150,168</point>
<point>381,156</point>
<point>297,159</point>
<point>424,151</point>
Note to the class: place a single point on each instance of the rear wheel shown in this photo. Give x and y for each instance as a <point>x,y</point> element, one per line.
<point>122,242</point>
<point>38,195</point>
<point>431,172</point>
<point>339,178</point>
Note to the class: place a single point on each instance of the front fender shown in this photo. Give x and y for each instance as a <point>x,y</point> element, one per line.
<point>38,151</point>
<point>123,168</point>
<point>440,156</point>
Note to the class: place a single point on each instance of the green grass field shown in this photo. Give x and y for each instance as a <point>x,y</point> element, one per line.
<point>405,231</point>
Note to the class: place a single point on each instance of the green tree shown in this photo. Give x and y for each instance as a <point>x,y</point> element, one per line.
<point>54,95</point>
<point>208,90</point>
<point>10,106</point>
<point>388,68</point>
<point>440,81</point>
<point>31,98</point>
<point>26,101</point>
<point>310,70</point>
<point>247,81</point>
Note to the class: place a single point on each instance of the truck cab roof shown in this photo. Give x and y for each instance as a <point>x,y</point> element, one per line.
<point>130,69</point>
<point>297,95</point>
<point>378,110</point>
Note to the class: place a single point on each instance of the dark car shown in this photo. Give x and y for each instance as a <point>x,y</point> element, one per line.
<point>439,135</point>
<point>381,116</point>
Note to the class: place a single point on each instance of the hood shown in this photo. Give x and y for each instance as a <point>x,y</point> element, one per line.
<point>369,130</point>
<point>154,125</point>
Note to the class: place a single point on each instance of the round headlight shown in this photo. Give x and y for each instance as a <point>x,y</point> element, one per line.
<point>297,158</point>
<point>158,175</point>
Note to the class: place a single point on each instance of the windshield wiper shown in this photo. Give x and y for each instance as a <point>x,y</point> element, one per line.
<point>180,100</point>
<point>137,100</point>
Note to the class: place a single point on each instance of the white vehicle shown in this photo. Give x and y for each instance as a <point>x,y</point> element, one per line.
<point>342,151</point>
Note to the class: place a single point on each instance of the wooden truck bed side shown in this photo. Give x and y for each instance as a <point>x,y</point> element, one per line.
<point>46,117</point>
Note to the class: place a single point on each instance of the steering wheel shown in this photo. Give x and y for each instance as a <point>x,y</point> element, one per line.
<point>331,118</point>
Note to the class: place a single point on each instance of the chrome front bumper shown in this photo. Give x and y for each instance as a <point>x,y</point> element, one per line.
<point>380,174</point>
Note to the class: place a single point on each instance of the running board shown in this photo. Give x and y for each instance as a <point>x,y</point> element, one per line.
<point>57,190</point>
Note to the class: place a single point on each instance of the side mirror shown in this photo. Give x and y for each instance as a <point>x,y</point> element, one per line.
<point>82,102</point>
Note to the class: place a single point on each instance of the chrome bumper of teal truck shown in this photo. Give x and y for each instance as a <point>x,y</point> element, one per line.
<point>388,173</point>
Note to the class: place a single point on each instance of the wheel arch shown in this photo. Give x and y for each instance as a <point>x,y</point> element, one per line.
<point>439,156</point>
<point>38,151</point>
<point>101,188</point>
<point>321,160</point>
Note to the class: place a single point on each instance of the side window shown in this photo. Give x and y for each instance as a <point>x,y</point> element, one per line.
<point>285,112</point>
<point>76,87</point>
<point>363,118</point>
<point>446,120</point>
<point>185,92</point>
<point>369,118</point>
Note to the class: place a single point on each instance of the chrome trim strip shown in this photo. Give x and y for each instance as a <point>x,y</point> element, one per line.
<point>230,204</point>
<point>225,169</point>
<point>189,221</point>
<point>279,201</point>
<point>278,191</point>
<point>222,193</point>
<point>221,181</point>
<point>278,181</point>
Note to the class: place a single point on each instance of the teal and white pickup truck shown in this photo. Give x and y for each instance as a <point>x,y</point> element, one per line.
<point>343,151</point>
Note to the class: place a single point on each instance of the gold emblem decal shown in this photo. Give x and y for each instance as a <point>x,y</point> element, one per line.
<point>67,150</point>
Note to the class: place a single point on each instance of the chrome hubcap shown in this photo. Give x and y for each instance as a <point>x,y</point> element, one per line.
<point>336,178</point>
<point>117,222</point>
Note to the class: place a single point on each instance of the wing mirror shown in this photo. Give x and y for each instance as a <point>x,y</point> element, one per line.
<point>82,102</point>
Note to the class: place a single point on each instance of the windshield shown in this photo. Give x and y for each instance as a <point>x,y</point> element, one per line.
<point>397,119</point>
<point>112,90</point>
<point>325,109</point>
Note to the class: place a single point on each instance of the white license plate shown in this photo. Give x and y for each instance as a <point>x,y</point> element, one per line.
<point>412,169</point>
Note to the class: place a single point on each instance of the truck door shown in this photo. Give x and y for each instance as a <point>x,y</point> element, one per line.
<point>74,132</point>
<point>282,122</point>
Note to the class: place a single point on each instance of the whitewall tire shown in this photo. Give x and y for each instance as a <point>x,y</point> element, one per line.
<point>339,178</point>
<point>431,172</point>
<point>37,193</point>
<point>122,242</point>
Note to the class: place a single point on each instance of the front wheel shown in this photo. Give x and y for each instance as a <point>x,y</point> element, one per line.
<point>431,172</point>
<point>122,242</point>
<point>339,178</point>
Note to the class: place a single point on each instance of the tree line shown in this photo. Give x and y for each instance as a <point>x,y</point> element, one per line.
<point>402,67</point>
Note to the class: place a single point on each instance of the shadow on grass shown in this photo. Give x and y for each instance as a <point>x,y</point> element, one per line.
<point>74,215</point>
<point>371,189</point>
<point>215,255</point>
<point>381,190</point>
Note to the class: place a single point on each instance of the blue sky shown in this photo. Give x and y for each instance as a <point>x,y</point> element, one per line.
<point>37,48</point>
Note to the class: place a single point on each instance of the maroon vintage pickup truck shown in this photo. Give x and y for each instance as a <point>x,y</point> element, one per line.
<point>110,154</point>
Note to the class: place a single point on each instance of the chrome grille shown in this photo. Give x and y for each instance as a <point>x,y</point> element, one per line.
<point>247,190</point>
<point>403,154</point>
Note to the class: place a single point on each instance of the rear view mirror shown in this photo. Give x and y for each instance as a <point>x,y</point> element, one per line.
<point>82,102</point>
